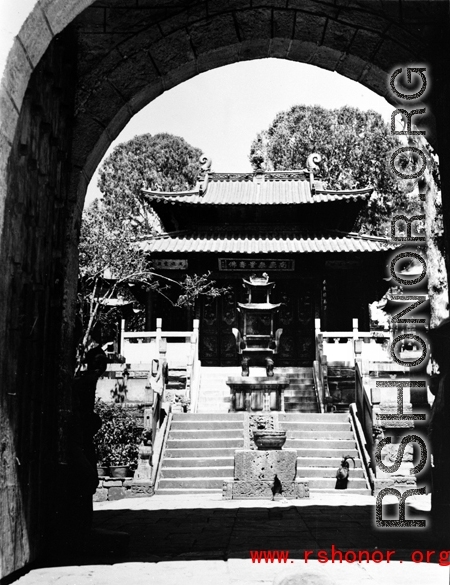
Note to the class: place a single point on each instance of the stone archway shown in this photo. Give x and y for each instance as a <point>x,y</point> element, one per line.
<point>78,71</point>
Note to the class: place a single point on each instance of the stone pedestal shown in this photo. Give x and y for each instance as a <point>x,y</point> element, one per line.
<point>250,385</point>
<point>142,482</point>
<point>254,475</point>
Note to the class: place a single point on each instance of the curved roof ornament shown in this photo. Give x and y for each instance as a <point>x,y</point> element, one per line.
<point>312,160</point>
<point>206,163</point>
<point>311,165</point>
<point>203,176</point>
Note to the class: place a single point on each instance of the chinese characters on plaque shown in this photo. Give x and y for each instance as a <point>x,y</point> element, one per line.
<point>248,265</point>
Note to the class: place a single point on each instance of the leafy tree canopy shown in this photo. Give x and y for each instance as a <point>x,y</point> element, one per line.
<point>111,261</point>
<point>354,146</point>
<point>162,161</point>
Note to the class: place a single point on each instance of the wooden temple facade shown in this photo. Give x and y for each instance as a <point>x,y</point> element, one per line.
<point>282,223</point>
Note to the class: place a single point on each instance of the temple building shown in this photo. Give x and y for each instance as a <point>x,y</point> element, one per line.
<point>283,223</point>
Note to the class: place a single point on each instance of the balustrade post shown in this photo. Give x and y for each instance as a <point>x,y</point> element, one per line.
<point>158,332</point>
<point>317,326</point>
<point>122,336</point>
<point>355,329</point>
<point>162,351</point>
<point>195,335</point>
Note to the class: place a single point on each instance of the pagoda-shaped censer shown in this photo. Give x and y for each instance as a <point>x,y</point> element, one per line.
<point>257,344</point>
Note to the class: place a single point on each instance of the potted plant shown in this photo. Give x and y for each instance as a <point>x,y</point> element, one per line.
<point>185,404</point>
<point>122,458</point>
<point>116,442</point>
<point>177,405</point>
<point>103,468</point>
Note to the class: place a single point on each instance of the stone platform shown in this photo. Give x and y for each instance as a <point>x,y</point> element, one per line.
<point>245,392</point>
<point>254,475</point>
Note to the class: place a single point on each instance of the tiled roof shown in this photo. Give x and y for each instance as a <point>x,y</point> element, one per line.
<point>249,192</point>
<point>239,244</point>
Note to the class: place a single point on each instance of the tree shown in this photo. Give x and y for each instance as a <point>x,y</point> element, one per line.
<point>354,146</point>
<point>111,262</point>
<point>110,259</point>
<point>162,161</point>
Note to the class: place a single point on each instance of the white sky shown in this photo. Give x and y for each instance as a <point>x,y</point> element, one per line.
<point>221,111</point>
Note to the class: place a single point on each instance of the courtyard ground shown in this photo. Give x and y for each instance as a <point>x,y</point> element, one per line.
<point>201,539</point>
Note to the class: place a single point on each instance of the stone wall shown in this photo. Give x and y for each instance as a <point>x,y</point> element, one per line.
<point>129,52</point>
<point>33,271</point>
<point>112,488</point>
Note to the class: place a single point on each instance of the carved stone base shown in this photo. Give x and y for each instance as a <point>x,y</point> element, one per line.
<point>398,482</point>
<point>252,465</point>
<point>262,490</point>
<point>141,488</point>
<point>254,476</point>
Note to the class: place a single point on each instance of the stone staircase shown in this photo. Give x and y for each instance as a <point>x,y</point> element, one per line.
<point>176,383</point>
<point>341,385</point>
<point>214,393</point>
<point>300,396</point>
<point>199,452</point>
<point>321,441</point>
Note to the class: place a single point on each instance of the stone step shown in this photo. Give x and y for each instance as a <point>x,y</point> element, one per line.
<point>178,425</point>
<point>196,472</point>
<point>330,483</point>
<point>204,443</point>
<point>295,372</point>
<point>319,427</point>
<point>198,461</point>
<point>327,472</point>
<point>184,491</point>
<point>298,399</point>
<point>190,416</point>
<point>348,491</point>
<point>300,383</point>
<point>202,452</point>
<point>205,434</point>
<point>192,483</point>
<point>319,417</point>
<point>333,462</point>
<point>324,434</point>
<point>300,392</point>
<point>300,444</point>
<point>304,408</point>
<point>212,410</point>
<point>324,452</point>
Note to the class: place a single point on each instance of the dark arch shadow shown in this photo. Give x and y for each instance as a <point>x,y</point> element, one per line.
<point>225,533</point>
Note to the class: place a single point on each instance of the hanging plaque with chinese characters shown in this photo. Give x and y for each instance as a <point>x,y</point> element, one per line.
<point>252,264</point>
<point>169,264</point>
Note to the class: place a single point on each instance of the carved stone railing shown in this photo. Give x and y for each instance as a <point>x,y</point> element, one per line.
<point>193,369</point>
<point>365,408</point>
<point>160,349</point>
<point>320,370</point>
<point>143,346</point>
<point>363,448</point>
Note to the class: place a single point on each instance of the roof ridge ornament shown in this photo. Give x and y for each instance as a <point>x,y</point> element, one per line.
<point>258,162</point>
<point>311,165</point>
<point>205,169</point>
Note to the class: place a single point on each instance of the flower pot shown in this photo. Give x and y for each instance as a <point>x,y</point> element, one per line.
<point>177,408</point>
<point>118,470</point>
<point>102,470</point>
<point>269,440</point>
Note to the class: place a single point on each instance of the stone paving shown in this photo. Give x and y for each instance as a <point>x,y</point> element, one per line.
<point>202,539</point>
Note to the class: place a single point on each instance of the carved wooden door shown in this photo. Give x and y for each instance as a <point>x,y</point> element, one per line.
<point>217,342</point>
<point>296,318</point>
